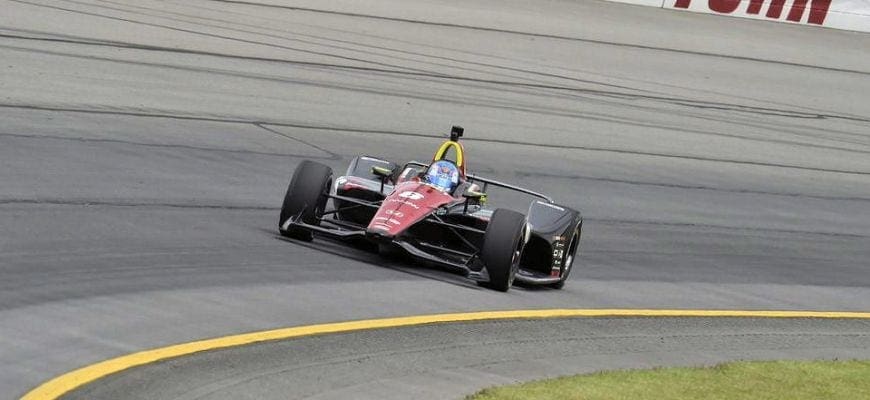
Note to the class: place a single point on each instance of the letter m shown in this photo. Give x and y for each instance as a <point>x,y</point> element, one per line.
<point>818,11</point>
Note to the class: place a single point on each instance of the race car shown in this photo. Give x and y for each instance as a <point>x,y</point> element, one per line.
<point>435,212</point>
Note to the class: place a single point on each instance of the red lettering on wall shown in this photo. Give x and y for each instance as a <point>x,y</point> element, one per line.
<point>818,11</point>
<point>797,10</point>
<point>775,9</point>
<point>724,6</point>
<point>818,8</point>
<point>754,7</point>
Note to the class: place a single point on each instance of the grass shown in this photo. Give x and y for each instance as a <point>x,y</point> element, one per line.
<point>792,380</point>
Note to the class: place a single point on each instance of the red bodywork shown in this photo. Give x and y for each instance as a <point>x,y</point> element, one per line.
<point>410,202</point>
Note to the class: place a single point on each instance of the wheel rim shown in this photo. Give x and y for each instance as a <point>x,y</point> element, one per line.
<point>515,261</point>
<point>321,203</point>
<point>569,259</point>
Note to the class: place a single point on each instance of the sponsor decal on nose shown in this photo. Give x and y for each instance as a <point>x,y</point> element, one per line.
<point>390,220</point>
<point>381,226</point>
<point>411,195</point>
<point>405,202</point>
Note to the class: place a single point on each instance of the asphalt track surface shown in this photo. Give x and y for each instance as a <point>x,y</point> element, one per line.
<point>145,147</point>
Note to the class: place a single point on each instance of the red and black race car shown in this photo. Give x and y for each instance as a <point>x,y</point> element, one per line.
<point>435,212</point>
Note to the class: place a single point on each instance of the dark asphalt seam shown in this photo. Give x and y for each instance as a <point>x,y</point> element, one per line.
<point>711,255</point>
<point>409,134</point>
<point>162,145</point>
<point>687,187</point>
<point>606,221</point>
<point>331,155</point>
<point>613,221</point>
<point>542,35</point>
<point>335,156</point>
<point>88,203</point>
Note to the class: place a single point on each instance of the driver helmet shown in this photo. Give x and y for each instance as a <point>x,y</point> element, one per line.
<point>444,175</point>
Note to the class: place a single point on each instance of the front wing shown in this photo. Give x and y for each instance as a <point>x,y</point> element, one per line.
<point>464,262</point>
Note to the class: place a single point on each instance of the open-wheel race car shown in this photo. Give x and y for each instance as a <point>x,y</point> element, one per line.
<point>435,212</point>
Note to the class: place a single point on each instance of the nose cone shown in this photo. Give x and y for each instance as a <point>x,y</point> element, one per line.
<point>409,203</point>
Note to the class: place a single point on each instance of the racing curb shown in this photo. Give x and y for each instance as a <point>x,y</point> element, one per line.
<point>63,384</point>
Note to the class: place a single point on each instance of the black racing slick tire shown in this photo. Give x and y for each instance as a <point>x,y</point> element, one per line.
<point>569,259</point>
<point>502,248</point>
<point>306,198</point>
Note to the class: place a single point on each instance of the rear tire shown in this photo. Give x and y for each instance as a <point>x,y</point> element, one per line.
<point>502,248</point>
<point>307,194</point>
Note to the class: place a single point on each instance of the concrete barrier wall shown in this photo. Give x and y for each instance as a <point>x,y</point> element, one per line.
<point>853,15</point>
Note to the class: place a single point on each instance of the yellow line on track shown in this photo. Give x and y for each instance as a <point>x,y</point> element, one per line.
<point>70,381</point>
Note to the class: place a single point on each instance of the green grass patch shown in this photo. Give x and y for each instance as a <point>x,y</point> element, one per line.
<point>792,380</point>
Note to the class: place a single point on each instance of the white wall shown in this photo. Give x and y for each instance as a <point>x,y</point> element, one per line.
<point>651,3</point>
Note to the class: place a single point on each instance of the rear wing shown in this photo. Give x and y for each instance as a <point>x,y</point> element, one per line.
<point>486,182</point>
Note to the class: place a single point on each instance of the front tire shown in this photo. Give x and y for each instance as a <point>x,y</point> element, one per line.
<point>502,248</point>
<point>306,197</point>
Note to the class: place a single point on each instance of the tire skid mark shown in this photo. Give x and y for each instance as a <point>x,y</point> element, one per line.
<point>563,112</point>
<point>295,38</point>
<point>476,55</point>
<point>570,113</point>
<point>699,104</point>
<point>360,44</point>
<point>214,36</point>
